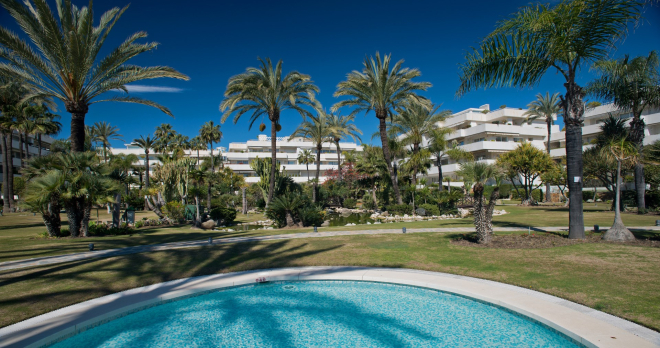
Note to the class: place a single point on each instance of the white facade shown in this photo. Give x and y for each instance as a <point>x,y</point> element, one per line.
<point>33,150</point>
<point>487,134</point>
<point>593,119</point>
<point>239,156</point>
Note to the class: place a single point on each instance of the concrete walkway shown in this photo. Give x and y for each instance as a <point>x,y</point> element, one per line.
<point>583,325</point>
<point>50,260</point>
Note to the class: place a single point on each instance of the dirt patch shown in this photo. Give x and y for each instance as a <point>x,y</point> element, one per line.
<point>541,241</point>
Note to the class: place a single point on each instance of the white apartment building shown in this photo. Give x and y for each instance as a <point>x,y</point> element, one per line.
<point>487,134</point>
<point>239,155</point>
<point>33,150</point>
<point>593,119</point>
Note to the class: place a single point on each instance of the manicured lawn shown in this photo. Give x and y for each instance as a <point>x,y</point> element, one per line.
<point>618,279</point>
<point>19,240</point>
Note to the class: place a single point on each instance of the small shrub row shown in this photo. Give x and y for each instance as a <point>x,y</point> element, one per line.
<point>430,209</point>
<point>537,194</point>
<point>399,209</point>
<point>223,215</point>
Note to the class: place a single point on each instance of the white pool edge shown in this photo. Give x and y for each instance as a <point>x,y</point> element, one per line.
<point>588,326</point>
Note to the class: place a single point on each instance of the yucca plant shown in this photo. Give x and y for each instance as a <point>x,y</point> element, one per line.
<point>61,59</point>
<point>264,91</point>
<point>380,89</point>
<point>565,37</point>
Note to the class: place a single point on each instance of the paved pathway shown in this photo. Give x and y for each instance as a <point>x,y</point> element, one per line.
<point>49,260</point>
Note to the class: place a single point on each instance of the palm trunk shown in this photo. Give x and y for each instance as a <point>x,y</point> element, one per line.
<point>415,169</point>
<point>573,110</point>
<point>27,151</point>
<point>547,185</point>
<point>78,132</point>
<point>618,232</point>
<point>6,162</point>
<point>318,171</point>
<point>39,143</point>
<point>20,149</point>
<point>637,137</point>
<point>197,159</point>
<point>440,178</point>
<point>388,157</point>
<point>198,219</point>
<point>212,159</point>
<point>9,160</point>
<point>84,224</point>
<point>338,158</point>
<point>483,236</point>
<point>289,219</point>
<point>245,205</point>
<point>273,156</point>
<point>146,168</point>
<point>115,211</point>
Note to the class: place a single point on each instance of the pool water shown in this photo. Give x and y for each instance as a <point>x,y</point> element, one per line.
<point>322,314</point>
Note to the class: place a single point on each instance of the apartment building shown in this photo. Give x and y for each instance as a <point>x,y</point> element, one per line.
<point>239,155</point>
<point>33,150</point>
<point>486,134</point>
<point>593,119</point>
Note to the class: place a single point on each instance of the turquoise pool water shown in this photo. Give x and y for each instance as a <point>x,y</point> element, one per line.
<point>321,314</point>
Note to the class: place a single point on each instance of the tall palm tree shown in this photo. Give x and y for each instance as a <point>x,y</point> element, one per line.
<point>264,91</point>
<point>381,90</point>
<point>414,122</point>
<point>547,108</point>
<point>46,124</point>
<point>124,163</point>
<point>440,147</point>
<point>632,84</point>
<point>146,144</point>
<point>342,127</point>
<point>316,130</point>
<point>62,59</point>
<point>103,132</point>
<point>210,133</point>
<point>567,37</point>
<point>306,157</point>
<point>178,145</point>
<point>197,144</point>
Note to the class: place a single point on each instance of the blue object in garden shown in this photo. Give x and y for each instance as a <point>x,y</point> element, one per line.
<point>91,246</point>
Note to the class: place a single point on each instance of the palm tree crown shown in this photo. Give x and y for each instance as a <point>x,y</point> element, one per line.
<point>146,144</point>
<point>381,90</point>
<point>210,133</point>
<point>547,108</point>
<point>63,59</point>
<point>264,91</point>
<point>342,127</point>
<point>103,132</point>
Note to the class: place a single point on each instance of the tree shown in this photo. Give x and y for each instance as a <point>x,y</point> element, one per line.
<point>198,178</point>
<point>43,196</point>
<point>210,133</point>
<point>146,144</point>
<point>306,157</point>
<point>164,133</point>
<point>103,132</point>
<point>318,131</point>
<point>478,173</point>
<point>342,127</point>
<point>124,163</point>
<point>264,91</point>
<point>557,176</point>
<point>197,144</point>
<point>46,123</point>
<point>634,85</point>
<point>371,165</point>
<point>547,108</point>
<point>566,37</point>
<point>414,122</point>
<point>624,152</point>
<point>381,90</point>
<point>62,60</point>
<point>439,147</point>
<point>525,164</point>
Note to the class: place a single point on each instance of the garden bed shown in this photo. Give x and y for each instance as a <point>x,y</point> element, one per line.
<point>541,241</point>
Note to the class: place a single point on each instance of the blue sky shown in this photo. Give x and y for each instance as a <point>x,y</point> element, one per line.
<point>212,40</point>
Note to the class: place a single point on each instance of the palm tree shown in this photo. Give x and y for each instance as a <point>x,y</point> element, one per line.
<point>103,132</point>
<point>306,157</point>
<point>439,147</point>
<point>624,152</point>
<point>316,130</point>
<point>210,133</point>
<point>164,133</point>
<point>264,91</point>
<point>415,122</point>
<point>566,37</point>
<point>178,145</point>
<point>198,177</point>
<point>342,127</point>
<point>381,90</point>
<point>547,108</point>
<point>124,163</point>
<point>197,144</point>
<point>371,164</point>
<point>478,173</point>
<point>46,124</point>
<point>146,144</point>
<point>62,61</point>
<point>632,84</point>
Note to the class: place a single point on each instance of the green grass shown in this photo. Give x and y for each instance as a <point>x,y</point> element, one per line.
<point>618,279</point>
<point>19,240</point>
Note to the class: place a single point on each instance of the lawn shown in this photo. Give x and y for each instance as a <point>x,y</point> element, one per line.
<point>19,232</point>
<point>619,279</point>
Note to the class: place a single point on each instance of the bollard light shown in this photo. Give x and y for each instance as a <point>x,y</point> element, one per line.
<point>404,230</point>
<point>210,240</point>
<point>596,228</point>
<point>657,222</point>
<point>315,229</point>
<point>91,246</point>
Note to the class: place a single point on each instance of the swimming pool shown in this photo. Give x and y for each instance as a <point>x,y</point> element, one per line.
<point>322,314</point>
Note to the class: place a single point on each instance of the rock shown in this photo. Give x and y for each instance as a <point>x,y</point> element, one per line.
<point>325,223</point>
<point>230,230</point>
<point>377,223</point>
<point>385,213</point>
<point>270,228</point>
<point>590,200</point>
<point>368,223</point>
<point>208,225</point>
<point>405,216</point>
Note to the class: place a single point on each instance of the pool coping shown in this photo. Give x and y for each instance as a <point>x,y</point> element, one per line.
<point>584,325</point>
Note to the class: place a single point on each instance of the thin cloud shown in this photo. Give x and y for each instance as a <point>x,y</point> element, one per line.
<point>150,89</point>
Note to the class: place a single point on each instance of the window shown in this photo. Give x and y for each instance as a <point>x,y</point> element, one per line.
<point>518,140</point>
<point>501,139</point>
<point>477,140</point>
<point>530,139</point>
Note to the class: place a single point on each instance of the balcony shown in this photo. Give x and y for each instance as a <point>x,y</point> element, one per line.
<point>523,131</point>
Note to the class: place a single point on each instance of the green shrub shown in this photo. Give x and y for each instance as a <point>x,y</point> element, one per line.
<point>505,190</point>
<point>430,209</point>
<point>537,194</point>
<point>135,200</point>
<point>64,232</point>
<point>223,215</point>
<point>368,202</point>
<point>139,223</point>
<point>312,216</point>
<point>350,203</point>
<point>652,199</point>
<point>227,200</point>
<point>399,209</point>
<point>587,195</point>
<point>174,210</point>
<point>105,230</point>
<point>447,201</point>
